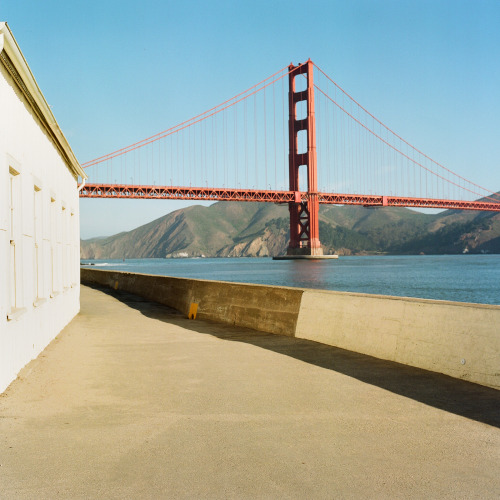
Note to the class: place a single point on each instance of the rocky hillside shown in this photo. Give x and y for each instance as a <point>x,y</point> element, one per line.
<point>230,229</point>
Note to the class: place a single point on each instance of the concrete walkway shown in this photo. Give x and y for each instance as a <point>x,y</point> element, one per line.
<point>134,401</point>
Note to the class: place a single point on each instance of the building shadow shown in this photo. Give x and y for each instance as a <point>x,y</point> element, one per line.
<point>460,397</point>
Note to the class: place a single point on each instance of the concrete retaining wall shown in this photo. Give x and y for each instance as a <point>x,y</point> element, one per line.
<point>454,338</point>
<point>265,308</point>
<point>457,339</point>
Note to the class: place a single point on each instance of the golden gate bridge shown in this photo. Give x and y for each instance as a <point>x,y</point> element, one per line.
<point>296,137</point>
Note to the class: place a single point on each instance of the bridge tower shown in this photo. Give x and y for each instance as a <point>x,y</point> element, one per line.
<point>304,228</point>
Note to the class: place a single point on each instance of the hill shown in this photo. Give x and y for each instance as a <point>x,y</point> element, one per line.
<point>231,229</point>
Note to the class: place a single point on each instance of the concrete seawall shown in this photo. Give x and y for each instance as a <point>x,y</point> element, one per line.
<point>457,339</point>
<point>265,308</point>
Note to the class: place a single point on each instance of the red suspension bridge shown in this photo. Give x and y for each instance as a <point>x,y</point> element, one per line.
<point>265,145</point>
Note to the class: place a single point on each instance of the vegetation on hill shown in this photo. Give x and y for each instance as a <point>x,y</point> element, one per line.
<point>231,229</point>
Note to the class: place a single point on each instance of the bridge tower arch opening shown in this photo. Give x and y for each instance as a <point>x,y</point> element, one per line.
<point>304,224</point>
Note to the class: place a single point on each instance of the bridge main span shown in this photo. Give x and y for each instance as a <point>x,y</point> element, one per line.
<point>236,151</point>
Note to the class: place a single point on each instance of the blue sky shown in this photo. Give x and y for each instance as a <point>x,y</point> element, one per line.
<point>115,72</point>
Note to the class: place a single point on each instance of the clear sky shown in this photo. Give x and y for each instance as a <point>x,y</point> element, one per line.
<point>117,71</point>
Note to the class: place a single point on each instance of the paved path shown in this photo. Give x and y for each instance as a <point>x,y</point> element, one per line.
<point>133,401</point>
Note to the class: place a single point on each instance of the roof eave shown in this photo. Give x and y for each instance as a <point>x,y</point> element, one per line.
<point>11,55</point>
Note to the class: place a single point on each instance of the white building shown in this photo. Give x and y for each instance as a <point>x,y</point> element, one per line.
<point>39,217</point>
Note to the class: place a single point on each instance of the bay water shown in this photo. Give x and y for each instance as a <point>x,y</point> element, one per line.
<point>462,278</point>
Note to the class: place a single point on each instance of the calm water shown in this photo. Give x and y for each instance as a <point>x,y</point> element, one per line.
<point>463,278</point>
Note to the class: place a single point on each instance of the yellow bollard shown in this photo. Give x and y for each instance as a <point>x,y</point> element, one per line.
<point>193,308</point>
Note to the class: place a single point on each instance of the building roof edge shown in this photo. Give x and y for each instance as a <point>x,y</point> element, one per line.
<point>15,58</point>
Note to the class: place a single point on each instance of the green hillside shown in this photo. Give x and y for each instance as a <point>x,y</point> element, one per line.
<point>261,229</point>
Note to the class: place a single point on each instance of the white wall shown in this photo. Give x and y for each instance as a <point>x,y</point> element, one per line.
<point>39,292</point>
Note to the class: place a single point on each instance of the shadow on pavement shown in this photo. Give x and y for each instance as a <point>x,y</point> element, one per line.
<point>456,396</point>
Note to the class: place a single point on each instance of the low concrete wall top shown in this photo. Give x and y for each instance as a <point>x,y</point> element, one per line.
<point>457,339</point>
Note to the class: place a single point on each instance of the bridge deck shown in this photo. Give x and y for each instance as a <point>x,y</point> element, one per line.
<point>133,401</point>
<point>124,191</point>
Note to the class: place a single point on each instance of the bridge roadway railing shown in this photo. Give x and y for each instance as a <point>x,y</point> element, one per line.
<point>125,191</point>
<point>457,339</point>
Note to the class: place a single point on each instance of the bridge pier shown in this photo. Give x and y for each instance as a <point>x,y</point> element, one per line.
<point>304,214</point>
<point>304,220</point>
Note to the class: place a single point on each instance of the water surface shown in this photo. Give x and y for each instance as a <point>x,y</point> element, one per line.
<point>463,278</point>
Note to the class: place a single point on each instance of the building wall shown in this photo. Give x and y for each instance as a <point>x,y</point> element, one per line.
<point>39,235</point>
